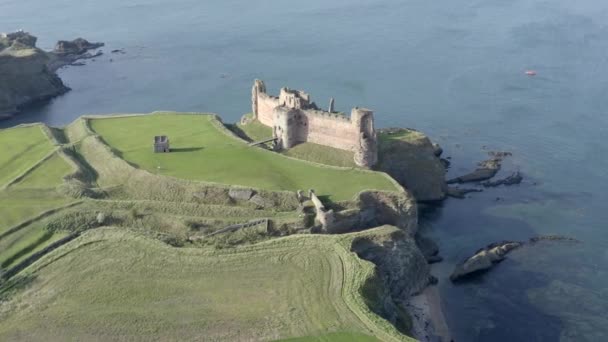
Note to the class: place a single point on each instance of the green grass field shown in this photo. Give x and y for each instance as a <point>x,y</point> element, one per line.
<point>113,285</point>
<point>129,282</point>
<point>322,154</point>
<point>22,147</point>
<point>202,151</point>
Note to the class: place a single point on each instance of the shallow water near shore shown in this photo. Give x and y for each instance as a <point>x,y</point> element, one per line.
<point>454,70</point>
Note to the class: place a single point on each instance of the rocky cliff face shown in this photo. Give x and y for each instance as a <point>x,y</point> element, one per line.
<point>27,73</point>
<point>411,159</point>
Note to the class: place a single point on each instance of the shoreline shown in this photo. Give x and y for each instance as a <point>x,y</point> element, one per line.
<point>428,320</point>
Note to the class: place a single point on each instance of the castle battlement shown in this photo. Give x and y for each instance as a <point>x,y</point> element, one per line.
<point>294,119</point>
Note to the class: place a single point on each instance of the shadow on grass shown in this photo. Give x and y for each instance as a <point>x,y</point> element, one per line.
<point>44,238</point>
<point>186,149</point>
<point>10,287</point>
<point>239,132</point>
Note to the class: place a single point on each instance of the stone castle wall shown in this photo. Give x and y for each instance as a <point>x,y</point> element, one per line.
<point>295,119</point>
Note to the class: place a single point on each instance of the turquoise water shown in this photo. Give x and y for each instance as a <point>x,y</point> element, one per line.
<point>454,69</point>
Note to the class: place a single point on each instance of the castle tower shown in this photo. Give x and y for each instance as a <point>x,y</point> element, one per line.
<point>285,128</point>
<point>258,87</point>
<point>366,151</point>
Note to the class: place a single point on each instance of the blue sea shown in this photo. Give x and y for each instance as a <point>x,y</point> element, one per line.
<point>453,69</point>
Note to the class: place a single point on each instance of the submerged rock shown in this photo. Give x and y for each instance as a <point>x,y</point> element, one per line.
<point>459,192</point>
<point>411,158</point>
<point>514,178</point>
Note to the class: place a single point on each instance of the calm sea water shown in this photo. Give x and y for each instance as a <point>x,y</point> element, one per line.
<point>454,69</point>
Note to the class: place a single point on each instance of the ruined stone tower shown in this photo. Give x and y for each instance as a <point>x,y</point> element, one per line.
<point>366,152</point>
<point>294,119</point>
<point>258,88</point>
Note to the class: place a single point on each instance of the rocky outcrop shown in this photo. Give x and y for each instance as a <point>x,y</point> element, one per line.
<point>487,257</point>
<point>484,259</point>
<point>28,73</point>
<point>402,268</point>
<point>412,159</point>
<point>429,249</point>
<point>485,169</point>
<point>398,258</point>
<point>77,46</point>
<point>25,75</point>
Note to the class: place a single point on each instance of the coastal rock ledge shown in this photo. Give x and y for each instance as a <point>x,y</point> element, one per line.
<point>28,73</point>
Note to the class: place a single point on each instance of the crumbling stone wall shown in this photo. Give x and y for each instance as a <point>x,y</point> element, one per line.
<point>374,208</point>
<point>324,217</point>
<point>295,119</point>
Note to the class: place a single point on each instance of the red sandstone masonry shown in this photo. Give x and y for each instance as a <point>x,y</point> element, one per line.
<point>295,119</point>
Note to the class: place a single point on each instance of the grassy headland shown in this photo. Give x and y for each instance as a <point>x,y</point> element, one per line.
<point>202,151</point>
<point>123,277</point>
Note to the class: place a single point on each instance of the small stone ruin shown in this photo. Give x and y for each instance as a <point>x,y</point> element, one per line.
<point>161,144</point>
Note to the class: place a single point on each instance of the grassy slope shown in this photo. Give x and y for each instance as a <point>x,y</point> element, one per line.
<point>203,152</point>
<point>322,154</point>
<point>113,285</point>
<point>32,195</point>
<point>255,130</point>
<point>22,147</point>
<point>35,192</point>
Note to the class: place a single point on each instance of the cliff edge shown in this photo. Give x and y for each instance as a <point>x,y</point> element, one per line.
<point>412,159</point>
<point>28,73</point>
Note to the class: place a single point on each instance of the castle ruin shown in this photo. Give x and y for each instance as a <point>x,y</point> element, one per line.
<point>295,119</point>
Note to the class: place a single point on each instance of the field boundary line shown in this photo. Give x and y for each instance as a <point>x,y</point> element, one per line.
<point>38,217</point>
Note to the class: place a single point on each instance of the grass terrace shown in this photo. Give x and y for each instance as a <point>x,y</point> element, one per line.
<point>202,149</point>
<point>28,182</point>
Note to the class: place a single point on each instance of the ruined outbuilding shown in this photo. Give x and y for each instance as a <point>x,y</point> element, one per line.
<point>161,144</point>
<point>295,119</point>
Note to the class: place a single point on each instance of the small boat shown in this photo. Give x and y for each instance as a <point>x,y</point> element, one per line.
<point>530,72</point>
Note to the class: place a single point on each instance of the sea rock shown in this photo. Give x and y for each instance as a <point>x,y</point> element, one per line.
<point>77,46</point>
<point>410,158</point>
<point>484,259</point>
<point>514,178</point>
<point>492,254</point>
<point>240,194</point>
<point>485,169</point>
